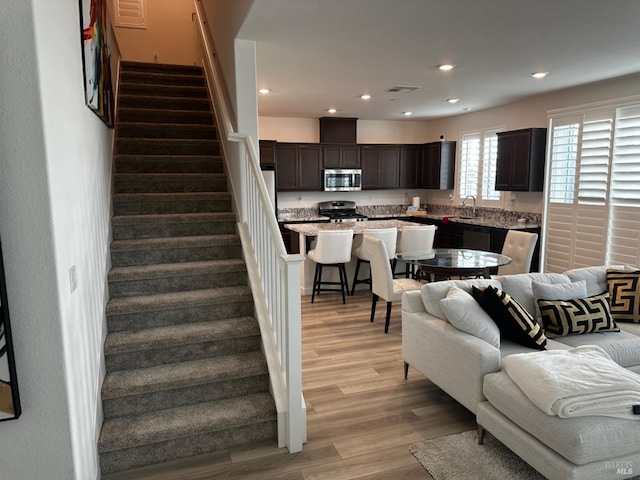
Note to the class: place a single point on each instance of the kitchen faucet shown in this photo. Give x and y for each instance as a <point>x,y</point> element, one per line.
<point>473,212</point>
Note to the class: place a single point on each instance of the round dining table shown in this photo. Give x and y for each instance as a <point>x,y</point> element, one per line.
<point>451,262</point>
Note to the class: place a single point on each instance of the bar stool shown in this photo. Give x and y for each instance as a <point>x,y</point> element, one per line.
<point>388,237</point>
<point>419,237</point>
<point>333,249</point>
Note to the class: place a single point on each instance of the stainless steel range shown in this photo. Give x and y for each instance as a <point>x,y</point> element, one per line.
<point>340,211</point>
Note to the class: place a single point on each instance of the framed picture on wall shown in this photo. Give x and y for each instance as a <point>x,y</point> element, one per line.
<point>9,397</point>
<point>95,27</point>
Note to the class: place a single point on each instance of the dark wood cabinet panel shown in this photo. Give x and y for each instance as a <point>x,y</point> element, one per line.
<point>410,158</point>
<point>310,164</point>
<point>298,167</point>
<point>370,165</point>
<point>438,165</point>
<point>341,156</point>
<point>380,166</point>
<point>520,160</point>
<point>267,153</point>
<point>338,130</point>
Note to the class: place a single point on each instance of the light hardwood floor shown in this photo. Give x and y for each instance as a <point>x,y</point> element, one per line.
<point>362,415</point>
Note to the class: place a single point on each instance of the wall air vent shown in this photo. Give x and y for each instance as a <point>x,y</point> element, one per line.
<point>402,89</point>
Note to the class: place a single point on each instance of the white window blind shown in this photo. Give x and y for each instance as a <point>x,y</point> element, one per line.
<point>489,160</point>
<point>624,224</point>
<point>592,200</point>
<point>469,165</point>
<point>130,13</point>
<point>477,171</point>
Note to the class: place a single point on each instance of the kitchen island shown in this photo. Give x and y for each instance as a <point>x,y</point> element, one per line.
<point>307,231</point>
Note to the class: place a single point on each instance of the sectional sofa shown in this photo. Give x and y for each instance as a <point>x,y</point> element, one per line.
<point>452,340</point>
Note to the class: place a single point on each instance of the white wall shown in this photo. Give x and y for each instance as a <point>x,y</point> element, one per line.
<point>170,36</point>
<point>55,157</point>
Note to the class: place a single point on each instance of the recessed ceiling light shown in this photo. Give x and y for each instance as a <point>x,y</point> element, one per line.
<point>264,91</point>
<point>446,67</point>
<point>332,110</point>
<point>407,113</point>
<point>366,96</point>
<point>453,100</point>
<point>466,109</point>
<point>539,74</point>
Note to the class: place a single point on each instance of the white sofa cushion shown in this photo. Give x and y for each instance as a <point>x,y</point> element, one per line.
<point>519,286</point>
<point>556,291</point>
<point>623,347</point>
<point>464,313</point>
<point>596,277</point>
<point>432,293</point>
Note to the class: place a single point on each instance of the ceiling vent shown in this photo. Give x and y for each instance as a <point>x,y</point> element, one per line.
<point>402,89</point>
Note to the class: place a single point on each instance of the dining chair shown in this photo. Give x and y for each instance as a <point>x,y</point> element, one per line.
<point>333,249</point>
<point>388,236</point>
<point>383,285</point>
<point>519,246</point>
<point>412,238</point>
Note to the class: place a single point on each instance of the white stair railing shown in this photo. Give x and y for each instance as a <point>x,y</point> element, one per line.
<point>274,275</point>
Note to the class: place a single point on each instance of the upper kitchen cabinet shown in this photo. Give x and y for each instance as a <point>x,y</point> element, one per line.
<point>410,156</point>
<point>338,130</point>
<point>520,161</point>
<point>299,166</point>
<point>438,165</point>
<point>380,166</point>
<point>267,153</point>
<point>341,156</point>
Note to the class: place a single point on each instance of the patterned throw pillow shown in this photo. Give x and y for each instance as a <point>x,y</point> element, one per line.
<point>624,293</point>
<point>514,322</point>
<point>576,316</point>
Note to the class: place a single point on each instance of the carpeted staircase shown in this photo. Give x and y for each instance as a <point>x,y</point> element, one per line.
<point>185,372</point>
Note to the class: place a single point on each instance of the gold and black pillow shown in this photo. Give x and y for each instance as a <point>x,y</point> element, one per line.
<point>514,322</point>
<point>624,293</point>
<point>576,316</point>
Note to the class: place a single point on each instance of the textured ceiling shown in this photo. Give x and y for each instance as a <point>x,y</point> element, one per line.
<point>317,54</point>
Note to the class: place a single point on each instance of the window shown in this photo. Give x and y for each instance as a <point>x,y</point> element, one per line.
<point>592,200</point>
<point>130,13</point>
<point>477,172</point>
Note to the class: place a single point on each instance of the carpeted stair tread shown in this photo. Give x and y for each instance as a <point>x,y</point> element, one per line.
<point>162,78</point>
<point>165,337</point>
<point>149,89</point>
<point>170,196</point>
<point>186,421</point>
<point>175,300</point>
<point>173,218</point>
<point>155,116</point>
<point>168,164</point>
<point>169,182</point>
<point>167,243</point>
<point>164,103</point>
<point>169,68</point>
<point>179,131</point>
<point>173,376</point>
<point>143,272</point>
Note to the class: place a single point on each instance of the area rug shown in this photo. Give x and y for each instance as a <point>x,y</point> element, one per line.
<point>459,457</point>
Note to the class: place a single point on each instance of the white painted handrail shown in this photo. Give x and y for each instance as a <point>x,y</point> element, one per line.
<point>274,275</point>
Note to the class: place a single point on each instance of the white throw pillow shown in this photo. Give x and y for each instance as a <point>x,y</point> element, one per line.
<point>519,286</point>
<point>464,313</point>
<point>433,292</point>
<point>559,291</point>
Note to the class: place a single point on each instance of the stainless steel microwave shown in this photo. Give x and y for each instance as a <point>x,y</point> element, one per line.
<point>342,180</point>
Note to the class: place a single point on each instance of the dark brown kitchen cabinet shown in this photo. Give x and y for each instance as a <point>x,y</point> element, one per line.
<point>380,166</point>
<point>338,130</point>
<point>520,160</point>
<point>267,153</point>
<point>438,165</point>
<point>298,167</point>
<point>410,157</point>
<point>341,156</point>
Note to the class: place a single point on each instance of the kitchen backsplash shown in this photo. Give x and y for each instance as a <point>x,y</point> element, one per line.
<point>488,215</point>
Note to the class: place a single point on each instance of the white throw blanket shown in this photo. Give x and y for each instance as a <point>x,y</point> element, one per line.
<point>577,382</point>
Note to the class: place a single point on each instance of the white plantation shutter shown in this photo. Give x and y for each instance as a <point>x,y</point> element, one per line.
<point>130,13</point>
<point>592,200</point>
<point>477,171</point>
<point>469,165</point>
<point>624,226</point>
<point>489,161</point>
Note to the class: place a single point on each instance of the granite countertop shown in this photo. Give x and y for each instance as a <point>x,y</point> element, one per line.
<point>357,227</point>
